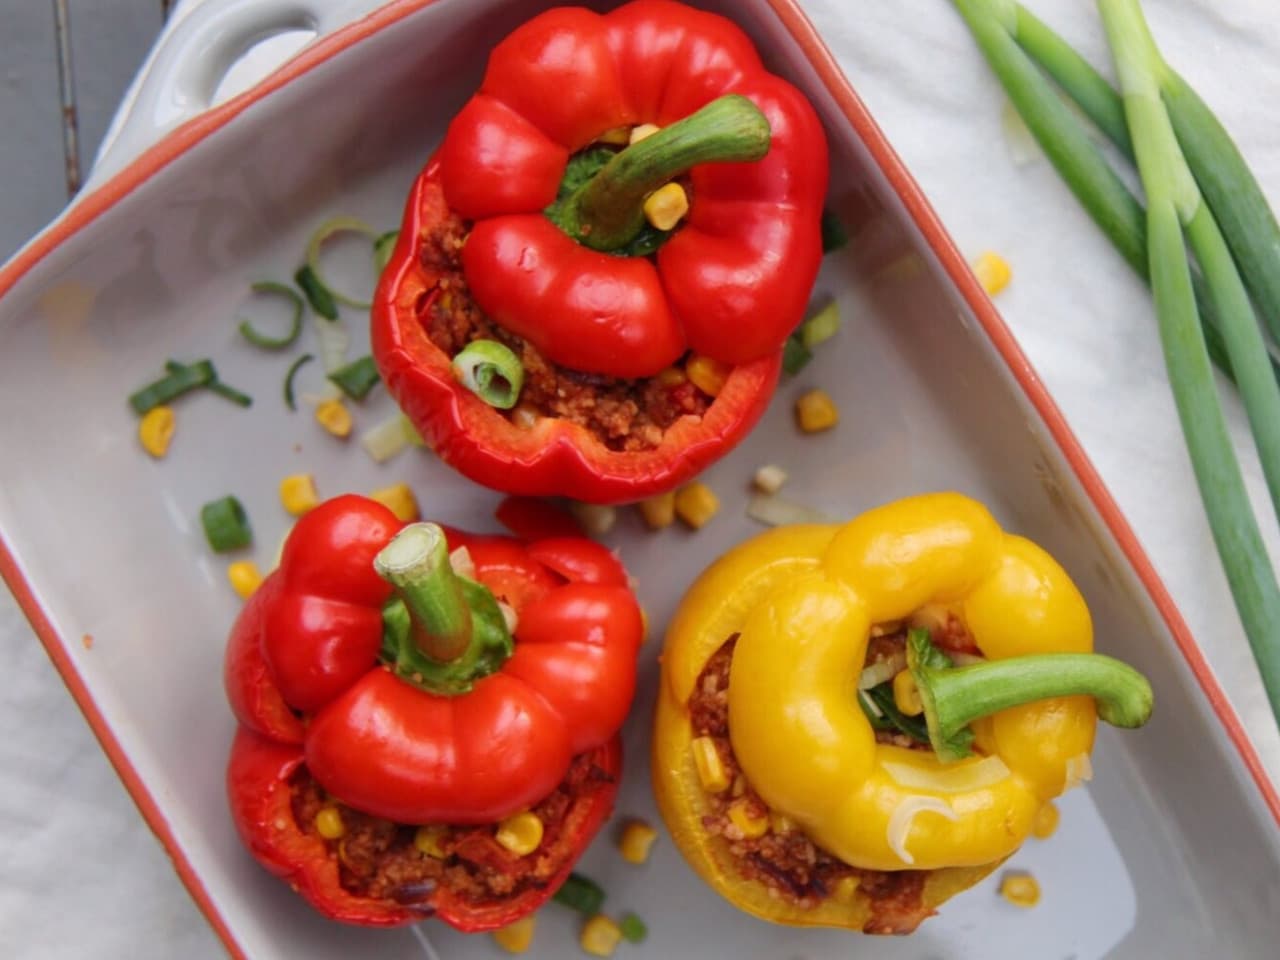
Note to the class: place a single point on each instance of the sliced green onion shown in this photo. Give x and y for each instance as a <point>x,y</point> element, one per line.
<point>491,371</point>
<point>822,326</point>
<point>177,381</point>
<point>834,235</point>
<point>294,367</point>
<point>795,355</point>
<point>387,439</point>
<point>633,928</point>
<point>318,295</point>
<point>226,526</point>
<point>357,378</point>
<point>214,385</point>
<point>326,231</point>
<point>383,247</point>
<point>581,894</point>
<point>410,431</point>
<point>265,341</point>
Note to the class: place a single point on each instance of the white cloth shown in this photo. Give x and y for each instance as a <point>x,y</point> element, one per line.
<point>81,875</point>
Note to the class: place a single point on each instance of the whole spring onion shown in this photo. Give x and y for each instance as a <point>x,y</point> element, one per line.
<point>356,378</point>
<point>226,525</point>
<point>491,371</point>
<point>266,341</point>
<point>1197,314</point>
<point>325,232</point>
<point>289,400</point>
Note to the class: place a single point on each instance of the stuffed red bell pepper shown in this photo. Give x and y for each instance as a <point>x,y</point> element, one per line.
<point>599,268</point>
<point>417,740</point>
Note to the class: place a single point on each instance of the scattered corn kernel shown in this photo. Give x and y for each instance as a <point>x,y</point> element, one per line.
<point>399,499</point>
<point>769,478</point>
<point>1045,823</point>
<point>780,822</point>
<point>706,374</point>
<point>1020,889</point>
<point>749,823</point>
<point>617,136</point>
<point>329,823</point>
<point>672,377</point>
<point>696,503</point>
<point>334,416</point>
<point>816,411</point>
<point>846,889</point>
<point>659,511</point>
<point>636,841</point>
<point>711,772</point>
<point>666,206</point>
<point>245,577</point>
<point>427,840</point>
<point>298,493</point>
<point>643,130</point>
<point>906,695</point>
<point>517,937</point>
<point>993,272</point>
<point>600,936</point>
<point>155,430</point>
<point>521,834</point>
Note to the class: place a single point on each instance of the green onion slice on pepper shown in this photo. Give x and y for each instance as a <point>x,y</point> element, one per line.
<point>491,371</point>
<point>266,341</point>
<point>226,525</point>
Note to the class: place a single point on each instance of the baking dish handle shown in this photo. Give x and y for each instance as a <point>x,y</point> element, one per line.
<point>183,72</point>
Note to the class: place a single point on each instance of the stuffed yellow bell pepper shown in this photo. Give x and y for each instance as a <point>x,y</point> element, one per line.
<point>857,722</point>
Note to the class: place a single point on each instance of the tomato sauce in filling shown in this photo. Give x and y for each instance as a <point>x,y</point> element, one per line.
<point>626,415</point>
<point>378,858</point>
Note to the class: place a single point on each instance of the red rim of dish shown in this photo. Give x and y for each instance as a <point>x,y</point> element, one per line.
<point>174,144</point>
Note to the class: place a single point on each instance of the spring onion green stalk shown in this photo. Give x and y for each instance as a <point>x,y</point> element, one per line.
<point>1174,202</point>
<point>325,232</point>
<point>795,355</point>
<point>357,378</point>
<point>289,400</point>
<point>834,235</point>
<point>580,893</point>
<point>213,384</point>
<point>387,439</point>
<point>174,384</point>
<point>822,326</point>
<point>383,247</point>
<point>228,392</point>
<point>634,930</point>
<point>266,341</point>
<point>318,295</point>
<point>226,525</point>
<point>491,371</point>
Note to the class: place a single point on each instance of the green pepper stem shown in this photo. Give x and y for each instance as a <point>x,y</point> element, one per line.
<point>961,695</point>
<point>607,212</point>
<point>416,564</point>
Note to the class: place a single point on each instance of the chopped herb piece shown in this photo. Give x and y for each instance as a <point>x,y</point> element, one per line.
<point>226,526</point>
<point>288,379</point>
<point>179,379</point>
<point>581,894</point>
<point>318,294</point>
<point>265,341</point>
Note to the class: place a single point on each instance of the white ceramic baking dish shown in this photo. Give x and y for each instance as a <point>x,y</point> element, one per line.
<point>1171,852</point>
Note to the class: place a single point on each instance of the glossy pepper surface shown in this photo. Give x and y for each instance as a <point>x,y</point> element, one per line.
<point>802,601</point>
<point>321,670</point>
<point>730,282</point>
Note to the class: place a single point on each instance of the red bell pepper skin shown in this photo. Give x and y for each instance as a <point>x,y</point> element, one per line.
<point>304,679</point>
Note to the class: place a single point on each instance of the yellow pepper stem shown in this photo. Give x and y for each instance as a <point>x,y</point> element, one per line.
<point>953,697</point>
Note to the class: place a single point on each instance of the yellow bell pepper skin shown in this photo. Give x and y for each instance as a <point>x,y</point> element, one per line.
<point>802,602</point>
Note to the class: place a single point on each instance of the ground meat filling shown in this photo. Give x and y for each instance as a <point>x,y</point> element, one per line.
<point>787,862</point>
<point>379,859</point>
<point>626,415</point>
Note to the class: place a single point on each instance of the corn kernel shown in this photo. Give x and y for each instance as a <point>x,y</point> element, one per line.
<point>846,889</point>
<point>426,839</point>
<point>769,478</point>
<point>399,499</point>
<point>155,430</point>
<point>696,504</point>
<point>816,411</point>
<point>636,841</point>
<point>748,823</point>
<point>600,936</point>
<point>616,136</point>
<point>642,131</point>
<point>672,377</point>
<point>666,206</point>
<point>521,834</point>
<point>906,695</point>
<point>334,416</point>
<point>993,272</point>
<point>298,493</point>
<point>245,577</point>
<point>1045,823</point>
<point>711,772</point>
<point>329,823</point>
<point>780,822</point>
<point>516,937</point>
<point>1020,889</point>
<point>707,374</point>
<point>659,511</point>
